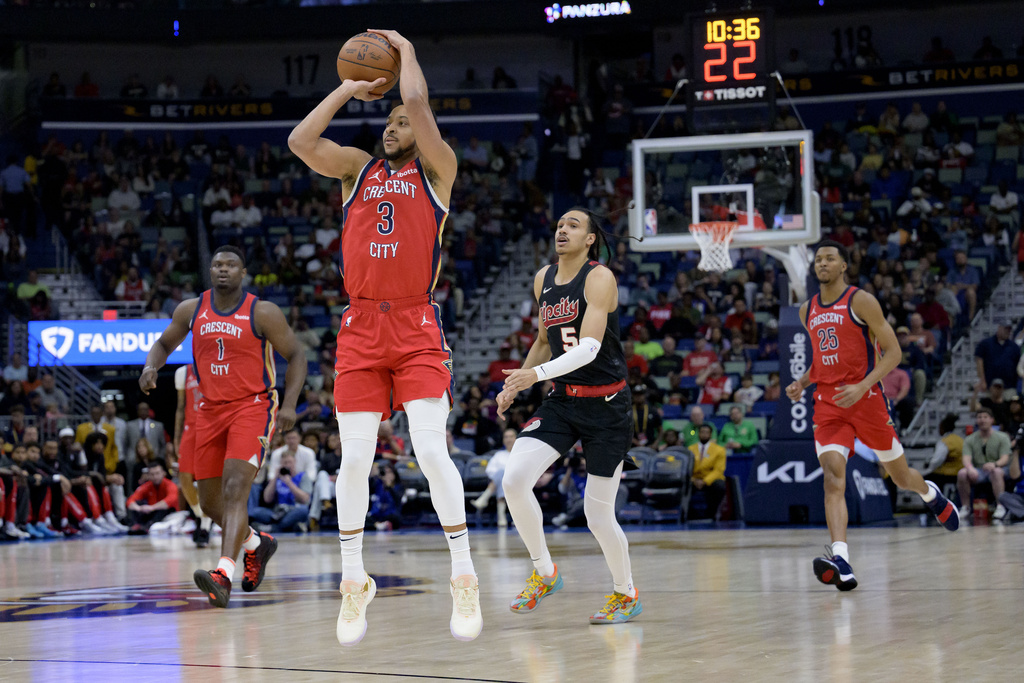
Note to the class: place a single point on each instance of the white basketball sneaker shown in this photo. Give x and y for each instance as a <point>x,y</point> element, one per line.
<point>467,622</point>
<point>352,619</point>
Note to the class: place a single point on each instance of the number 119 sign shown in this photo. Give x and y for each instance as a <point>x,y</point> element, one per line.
<point>732,57</point>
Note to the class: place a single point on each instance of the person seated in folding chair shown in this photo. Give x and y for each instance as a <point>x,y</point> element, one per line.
<point>708,471</point>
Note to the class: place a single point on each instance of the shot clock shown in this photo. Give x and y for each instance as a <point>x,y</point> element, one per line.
<point>732,57</point>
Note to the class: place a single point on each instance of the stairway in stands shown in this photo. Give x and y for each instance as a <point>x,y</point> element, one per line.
<point>495,316</point>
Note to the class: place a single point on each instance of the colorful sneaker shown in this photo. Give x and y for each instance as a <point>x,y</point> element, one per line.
<point>256,562</point>
<point>467,622</point>
<point>943,510</point>
<point>537,588</point>
<point>215,584</point>
<point>835,571</point>
<point>352,619</point>
<point>620,609</point>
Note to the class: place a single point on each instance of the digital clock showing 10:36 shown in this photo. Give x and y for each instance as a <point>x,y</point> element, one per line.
<point>730,58</point>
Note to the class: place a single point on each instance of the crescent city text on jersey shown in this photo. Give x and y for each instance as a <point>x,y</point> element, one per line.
<point>392,186</point>
<point>219,327</point>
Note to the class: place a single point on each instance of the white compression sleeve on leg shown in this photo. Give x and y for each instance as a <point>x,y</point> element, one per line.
<point>427,421</point>
<point>599,506</point>
<point>573,359</point>
<point>358,441</point>
<point>528,460</point>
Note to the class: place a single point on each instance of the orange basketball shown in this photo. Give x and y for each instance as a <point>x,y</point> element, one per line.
<point>367,57</point>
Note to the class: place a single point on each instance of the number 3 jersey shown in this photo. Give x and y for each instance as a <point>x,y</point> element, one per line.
<point>561,313</point>
<point>230,360</point>
<point>844,352</point>
<point>391,233</point>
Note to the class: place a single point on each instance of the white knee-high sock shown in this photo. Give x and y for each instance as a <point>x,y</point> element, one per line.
<point>427,418</point>
<point>528,460</point>
<point>358,439</point>
<point>599,506</point>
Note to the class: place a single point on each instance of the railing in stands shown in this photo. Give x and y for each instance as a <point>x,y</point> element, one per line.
<point>81,391</point>
<point>90,310</point>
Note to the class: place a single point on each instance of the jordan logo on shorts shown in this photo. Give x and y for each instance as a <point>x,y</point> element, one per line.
<point>425,321</point>
<point>257,399</point>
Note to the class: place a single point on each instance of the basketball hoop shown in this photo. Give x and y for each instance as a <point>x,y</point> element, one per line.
<point>714,239</point>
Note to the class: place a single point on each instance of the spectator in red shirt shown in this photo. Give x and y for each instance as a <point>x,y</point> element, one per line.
<point>896,387</point>
<point>932,312</point>
<point>86,88</point>
<point>156,498</point>
<point>661,311</point>
<point>700,358</point>
<point>633,359</point>
<point>715,385</point>
<point>504,362</point>
<point>735,320</point>
<point>641,320</point>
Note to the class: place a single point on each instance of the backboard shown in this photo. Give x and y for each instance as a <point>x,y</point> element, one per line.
<point>763,181</point>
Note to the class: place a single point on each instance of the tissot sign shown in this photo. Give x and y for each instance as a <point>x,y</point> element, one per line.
<point>99,342</point>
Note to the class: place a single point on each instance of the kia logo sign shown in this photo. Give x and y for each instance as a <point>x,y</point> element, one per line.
<point>793,472</point>
<point>99,342</point>
<point>49,338</point>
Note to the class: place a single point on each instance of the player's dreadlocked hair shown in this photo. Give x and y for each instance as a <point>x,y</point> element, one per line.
<point>601,243</point>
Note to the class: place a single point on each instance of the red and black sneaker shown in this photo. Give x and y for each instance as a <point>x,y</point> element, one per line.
<point>215,584</point>
<point>256,562</point>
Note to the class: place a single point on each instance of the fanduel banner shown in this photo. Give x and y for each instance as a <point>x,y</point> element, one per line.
<point>785,487</point>
<point>793,420</point>
<point>99,342</point>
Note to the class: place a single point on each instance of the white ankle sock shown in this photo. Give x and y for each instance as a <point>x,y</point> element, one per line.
<point>352,557</point>
<point>458,545</point>
<point>840,549</point>
<point>627,588</point>
<point>205,523</point>
<point>929,495</point>
<point>252,541</point>
<point>227,565</point>
<point>544,565</point>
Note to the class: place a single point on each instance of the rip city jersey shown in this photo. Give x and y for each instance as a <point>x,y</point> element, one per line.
<point>561,313</point>
<point>231,361</point>
<point>391,233</point>
<point>844,352</point>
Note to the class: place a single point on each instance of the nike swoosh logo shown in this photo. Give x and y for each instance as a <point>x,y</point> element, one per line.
<point>609,398</point>
<point>545,291</point>
<point>460,535</point>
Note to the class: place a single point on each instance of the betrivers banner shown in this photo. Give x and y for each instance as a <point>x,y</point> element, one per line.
<point>99,342</point>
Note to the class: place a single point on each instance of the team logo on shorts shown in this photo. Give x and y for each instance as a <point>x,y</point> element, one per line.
<point>448,364</point>
<point>265,442</point>
<point>531,424</point>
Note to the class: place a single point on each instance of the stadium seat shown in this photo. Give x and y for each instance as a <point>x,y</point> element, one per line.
<point>666,491</point>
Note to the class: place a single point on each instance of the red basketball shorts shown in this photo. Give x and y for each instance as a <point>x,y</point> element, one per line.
<point>187,450</point>
<point>390,352</point>
<point>836,428</point>
<point>238,430</point>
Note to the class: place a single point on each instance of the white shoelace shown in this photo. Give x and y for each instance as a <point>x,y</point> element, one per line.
<point>467,600</point>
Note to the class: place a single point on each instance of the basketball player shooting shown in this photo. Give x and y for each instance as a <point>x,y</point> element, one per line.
<point>391,347</point>
<point>848,330</point>
<point>234,335</point>
<point>578,342</point>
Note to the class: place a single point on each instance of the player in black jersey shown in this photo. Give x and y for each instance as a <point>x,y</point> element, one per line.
<point>578,343</point>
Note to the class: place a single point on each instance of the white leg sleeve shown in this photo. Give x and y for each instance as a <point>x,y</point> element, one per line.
<point>528,460</point>
<point>358,443</point>
<point>427,420</point>
<point>599,506</point>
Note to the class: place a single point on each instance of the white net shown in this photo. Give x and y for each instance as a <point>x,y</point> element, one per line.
<point>714,239</point>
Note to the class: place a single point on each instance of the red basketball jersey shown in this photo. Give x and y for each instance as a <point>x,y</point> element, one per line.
<point>843,350</point>
<point>391,233</point>
<point>231,361</point>
<point>193,395</point>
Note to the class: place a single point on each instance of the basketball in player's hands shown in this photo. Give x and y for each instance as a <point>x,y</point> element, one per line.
<point>367,57</point>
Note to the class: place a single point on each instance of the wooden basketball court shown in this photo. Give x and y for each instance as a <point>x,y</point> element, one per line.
<point>719,605</point>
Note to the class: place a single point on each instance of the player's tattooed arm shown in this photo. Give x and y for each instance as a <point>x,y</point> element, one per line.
<point>271,324</point>
<point>171,338</point>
